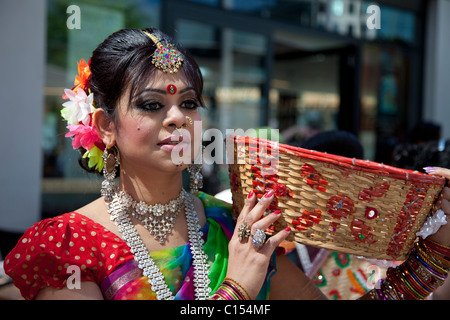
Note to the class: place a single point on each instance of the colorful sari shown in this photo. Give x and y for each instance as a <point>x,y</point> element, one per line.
<point>107,260</point>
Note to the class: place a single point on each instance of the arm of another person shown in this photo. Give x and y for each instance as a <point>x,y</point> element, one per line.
<point>290,283</point>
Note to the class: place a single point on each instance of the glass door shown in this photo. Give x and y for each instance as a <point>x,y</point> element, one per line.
<point>305,89</point>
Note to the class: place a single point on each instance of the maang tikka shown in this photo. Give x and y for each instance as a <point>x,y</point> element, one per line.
<point>165,57</point>
<point>112,161</point>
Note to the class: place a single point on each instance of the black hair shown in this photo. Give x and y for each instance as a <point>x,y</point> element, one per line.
<point>124,60</point>
<point>424,132</point>
<point>338,142</point>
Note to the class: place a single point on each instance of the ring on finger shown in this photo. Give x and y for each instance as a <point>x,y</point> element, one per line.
<point>259,238</point>
<point>244,231</point>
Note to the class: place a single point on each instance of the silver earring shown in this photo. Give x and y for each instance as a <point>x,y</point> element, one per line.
<point>196,177</point>
<point>112,161</point>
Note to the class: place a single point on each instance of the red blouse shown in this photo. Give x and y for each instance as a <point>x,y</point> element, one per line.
<point>74,240</point>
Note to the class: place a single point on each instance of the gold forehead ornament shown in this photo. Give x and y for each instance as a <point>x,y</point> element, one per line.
<point>165,57</point>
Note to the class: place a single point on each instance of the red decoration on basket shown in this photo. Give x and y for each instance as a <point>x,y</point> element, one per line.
<point>270,230</point>
<point>281,190</point>
<point>261,181</point>
<point>361,232</point>
<point>307,219</point>
<point>376,191</point>
<point>313,178</point>
<point>407,217</point>
<point>371,213</point>
<point>340,206</point>
<point>346,173</point>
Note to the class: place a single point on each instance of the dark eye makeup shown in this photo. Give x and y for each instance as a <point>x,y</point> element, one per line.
<point>191,104</point>
<point>149,105</point>
<point>153,105</point>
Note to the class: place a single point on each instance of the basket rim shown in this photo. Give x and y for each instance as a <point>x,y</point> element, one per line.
<point>355,164</point>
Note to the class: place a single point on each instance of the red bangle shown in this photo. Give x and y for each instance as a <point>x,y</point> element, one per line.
<point>443,250</point>
<point>398,284</point>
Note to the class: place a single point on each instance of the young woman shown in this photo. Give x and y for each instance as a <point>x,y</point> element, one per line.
<point>133,107</point>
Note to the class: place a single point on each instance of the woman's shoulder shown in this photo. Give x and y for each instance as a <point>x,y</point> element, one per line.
<point>45,252</point>
<point>64,227</point>
<point>66,234</point>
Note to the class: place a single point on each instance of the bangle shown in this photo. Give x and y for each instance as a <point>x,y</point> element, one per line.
<point>418,276</point>
<point>425,273</point>
<point>443,250</point>
<point>239,287</point>
<point>223,294</point>
<point>230,290</point>
<point>408,287</point>
<point>438,253</point>
<point>389,291</point>
<point>427,258</point>
<point>423,288</point>
<point>232,294</point>
<point>427,266</point>
<point>396,286</point>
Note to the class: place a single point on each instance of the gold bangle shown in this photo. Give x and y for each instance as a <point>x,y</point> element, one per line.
<point>434,254</point>
<point>430,260</point>
<point>239,286</point>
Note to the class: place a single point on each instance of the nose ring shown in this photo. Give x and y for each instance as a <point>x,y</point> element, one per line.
<point>185,125</point>
<point>190,122</point>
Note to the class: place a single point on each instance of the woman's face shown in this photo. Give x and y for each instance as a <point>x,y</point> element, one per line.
<point>148,131</point>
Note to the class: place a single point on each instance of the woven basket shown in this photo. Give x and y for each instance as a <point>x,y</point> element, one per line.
<point>341,204</point>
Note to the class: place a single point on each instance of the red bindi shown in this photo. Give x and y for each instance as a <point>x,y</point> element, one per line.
<point>171,89</point>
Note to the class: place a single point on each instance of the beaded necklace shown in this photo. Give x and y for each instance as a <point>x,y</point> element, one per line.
<point>120,209</point>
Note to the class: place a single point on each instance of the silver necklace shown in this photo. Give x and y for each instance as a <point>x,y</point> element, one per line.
<point>158,219</point>
<point>119,209</point>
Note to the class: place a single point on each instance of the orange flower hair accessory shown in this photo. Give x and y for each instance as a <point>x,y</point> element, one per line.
<point>78,112</point>
<point>81,80</point>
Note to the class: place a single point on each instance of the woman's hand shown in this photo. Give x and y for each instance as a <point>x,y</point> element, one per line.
<point>442,236</point>
<point>248,264</point>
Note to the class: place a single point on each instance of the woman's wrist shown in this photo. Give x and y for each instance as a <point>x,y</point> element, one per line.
<point>419,276</point>
<point>231,290</point>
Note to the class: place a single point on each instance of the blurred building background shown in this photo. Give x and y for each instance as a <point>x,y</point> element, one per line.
<point>302,66</point>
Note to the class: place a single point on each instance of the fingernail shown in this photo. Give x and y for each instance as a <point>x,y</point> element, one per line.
<point>277,212</point>
<point>287,229</point>
<point>250,194</point>
<point>268,194</point>
<point>429,169</point>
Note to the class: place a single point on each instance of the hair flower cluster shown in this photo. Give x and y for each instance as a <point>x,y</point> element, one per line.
<point>79,108</point>
<point>78,112</point>
<point>81,80</point>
